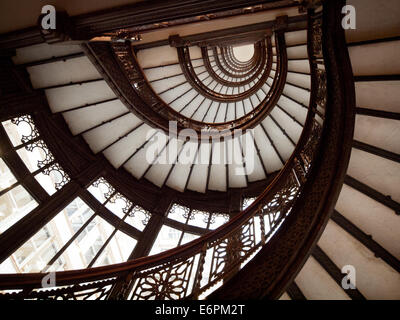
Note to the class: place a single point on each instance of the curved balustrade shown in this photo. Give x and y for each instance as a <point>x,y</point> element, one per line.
<point>181,272</point>
<point>259,77</point>
<point>244,71</point>
<point>272,269</point>
<point>243,251</point>
<point>233,80</point>
<point>121,69</point>
<point>235,67</point>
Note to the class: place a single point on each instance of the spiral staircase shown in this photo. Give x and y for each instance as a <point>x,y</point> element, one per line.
<point>280,131</point>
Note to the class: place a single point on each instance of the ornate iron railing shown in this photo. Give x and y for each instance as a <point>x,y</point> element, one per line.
<point>191,77</point>
<point>195,269</point>
<point>120,68</point>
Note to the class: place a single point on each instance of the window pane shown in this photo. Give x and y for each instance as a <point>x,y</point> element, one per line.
<point>52,178</point>
<point>101,189</point>
<point>217,220</point>
<point>36,253</point>
<point>118,250</point>
<point>138,218</point>
<point>6,177</point>
<point>28,256</point>
<point>119,205</point>
<point>35,155</point>
<point>14,205</point>
<point>20,130</point>
<point>81,252</point>
<point>46,182</point>
<point>179,213</point>
<point>187,237</point>
<point>168,238</point>
<point>199,218</point>
<point>126,244</point>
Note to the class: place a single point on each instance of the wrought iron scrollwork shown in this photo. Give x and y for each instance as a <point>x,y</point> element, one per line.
<point>109,189</point>
<point>215,215</point>
<point>119,196</point>
<point>43,159</point>
<point>137,209</point>
<point>47,155</point>
<point>27,119</point>
<point>205,214</point>
<point>176,208</point>
<point>61,178</point>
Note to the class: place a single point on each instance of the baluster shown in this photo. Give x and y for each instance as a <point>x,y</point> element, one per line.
<point>121,288</point>
<point>199,274</point>
<point>300,170</point>
<point>262,227</point>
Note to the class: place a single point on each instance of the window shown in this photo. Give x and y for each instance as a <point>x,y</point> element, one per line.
<point>35,154</point>
<point>37,252</point>
<point>197,218</point>
<point>118,204</point>
<point>118,249</point>
<point>14,205</point>
<point>170,237</point>
<point>77,236</point>
<point>167,238</point>
<point>7,179</point>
